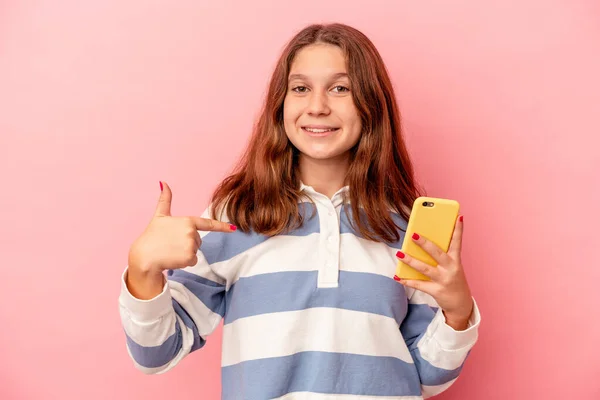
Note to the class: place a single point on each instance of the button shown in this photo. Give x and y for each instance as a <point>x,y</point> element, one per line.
<point>330,239</point>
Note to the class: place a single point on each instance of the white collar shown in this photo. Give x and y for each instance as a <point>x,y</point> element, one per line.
<point>336,199</point>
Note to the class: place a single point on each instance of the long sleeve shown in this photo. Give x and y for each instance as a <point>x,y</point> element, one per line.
<point>161,331</point>
<point>438,350</point>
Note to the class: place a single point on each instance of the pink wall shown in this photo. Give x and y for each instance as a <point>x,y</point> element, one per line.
<point>100,100</point>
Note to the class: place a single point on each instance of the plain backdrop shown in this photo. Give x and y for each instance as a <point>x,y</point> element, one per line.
<point>99,100</point>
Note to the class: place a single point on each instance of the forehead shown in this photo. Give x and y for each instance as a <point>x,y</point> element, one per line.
<point>318,60</point>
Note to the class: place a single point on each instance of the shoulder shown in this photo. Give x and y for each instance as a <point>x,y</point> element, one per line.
<point>219,247</point>
<point>220,213</point>
<point>395,214</point>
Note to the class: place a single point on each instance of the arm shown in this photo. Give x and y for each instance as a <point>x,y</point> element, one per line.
<point>167,317</point>
<point>442,322</point>
<point>438,350</point>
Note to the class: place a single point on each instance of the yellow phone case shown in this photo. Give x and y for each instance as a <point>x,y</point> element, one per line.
<point>433,219</point>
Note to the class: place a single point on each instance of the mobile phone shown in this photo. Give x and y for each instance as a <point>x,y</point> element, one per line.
<point>433,219</point>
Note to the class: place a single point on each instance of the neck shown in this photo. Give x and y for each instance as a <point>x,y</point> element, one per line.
<point>325,176</point>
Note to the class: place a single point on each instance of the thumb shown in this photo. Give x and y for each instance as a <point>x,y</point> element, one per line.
<point>164,201</point>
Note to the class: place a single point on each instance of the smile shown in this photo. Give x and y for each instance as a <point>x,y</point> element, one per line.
<point>319,131</point>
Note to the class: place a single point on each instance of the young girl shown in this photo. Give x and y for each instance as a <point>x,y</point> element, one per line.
<point>297,252</point>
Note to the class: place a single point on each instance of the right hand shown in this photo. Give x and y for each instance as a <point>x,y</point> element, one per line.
<point>170,242</point>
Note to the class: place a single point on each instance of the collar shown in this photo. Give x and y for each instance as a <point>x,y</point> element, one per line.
<point>337,198</point>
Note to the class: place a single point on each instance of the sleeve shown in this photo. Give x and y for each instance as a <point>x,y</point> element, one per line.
<point>161,331</point>
<point>439,352</point>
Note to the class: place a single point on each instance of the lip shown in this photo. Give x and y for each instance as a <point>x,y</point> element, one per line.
<point>320,127</point>
<point>319,134</point>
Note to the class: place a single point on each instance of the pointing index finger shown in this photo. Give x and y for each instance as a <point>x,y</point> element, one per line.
<point>205,224</point>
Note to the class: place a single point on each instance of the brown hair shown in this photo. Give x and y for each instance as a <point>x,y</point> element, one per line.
<point>263,192</point>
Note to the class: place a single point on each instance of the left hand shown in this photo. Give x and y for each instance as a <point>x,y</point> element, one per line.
<point>448,284</point>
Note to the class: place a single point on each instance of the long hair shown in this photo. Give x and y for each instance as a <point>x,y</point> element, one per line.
<point>263,192</point>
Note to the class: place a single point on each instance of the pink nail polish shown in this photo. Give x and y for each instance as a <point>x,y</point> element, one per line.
<point>396,278</point>
<point>400,254</point>
<point>232,227</point>
<point>416,236</point>
<point>161,186</point>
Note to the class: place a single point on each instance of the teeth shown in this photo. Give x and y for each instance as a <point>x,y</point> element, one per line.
<point>319,130</point>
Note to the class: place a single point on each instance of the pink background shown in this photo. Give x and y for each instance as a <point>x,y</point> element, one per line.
<point>99,100</point>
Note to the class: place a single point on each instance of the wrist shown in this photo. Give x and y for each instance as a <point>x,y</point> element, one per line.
<point>144,273</point>
<point>456,323</point>
<point>144,283</point>
<point>141,267</point>
<point>459,322</point>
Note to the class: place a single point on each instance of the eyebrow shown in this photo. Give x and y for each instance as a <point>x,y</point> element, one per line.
<point>304,77</point>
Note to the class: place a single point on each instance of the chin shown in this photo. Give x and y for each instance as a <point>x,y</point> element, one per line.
<point>321,154</point>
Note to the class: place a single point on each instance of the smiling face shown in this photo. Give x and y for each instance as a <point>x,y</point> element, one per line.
<point>320,117</point>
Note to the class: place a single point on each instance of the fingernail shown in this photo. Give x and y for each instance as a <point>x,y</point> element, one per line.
<point>400,254</point>
<point>461,218</point>
<point>416,236</point>
<point>396,278</point>
<point>161,186</point>
<point>232,227</point>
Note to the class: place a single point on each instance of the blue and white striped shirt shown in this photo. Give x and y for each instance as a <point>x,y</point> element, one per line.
<point>311,314</point>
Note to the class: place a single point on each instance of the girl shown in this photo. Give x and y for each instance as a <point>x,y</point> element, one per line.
<point>296,253</point>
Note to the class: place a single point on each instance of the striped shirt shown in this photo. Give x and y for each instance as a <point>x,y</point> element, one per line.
<point>311,314</point>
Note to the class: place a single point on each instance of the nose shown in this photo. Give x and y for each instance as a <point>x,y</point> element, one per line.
<point>318,103</point>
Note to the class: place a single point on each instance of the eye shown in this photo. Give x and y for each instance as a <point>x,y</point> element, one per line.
<point>341,89</point>
<point>300,89</point>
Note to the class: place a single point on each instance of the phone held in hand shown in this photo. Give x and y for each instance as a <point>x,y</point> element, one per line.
<point>434,219</point>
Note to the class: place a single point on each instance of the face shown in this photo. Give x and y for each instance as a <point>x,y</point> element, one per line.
<point>319,114</point>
